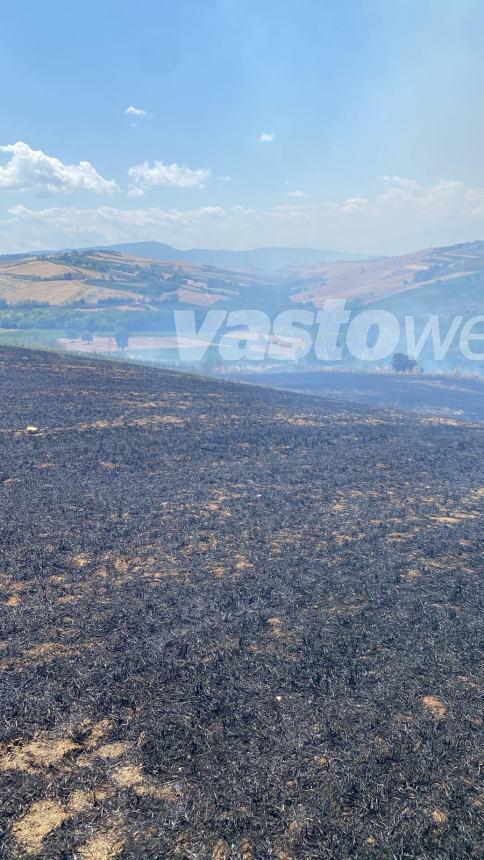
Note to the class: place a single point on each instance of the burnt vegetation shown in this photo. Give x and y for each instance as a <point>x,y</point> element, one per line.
<point>235,623</point>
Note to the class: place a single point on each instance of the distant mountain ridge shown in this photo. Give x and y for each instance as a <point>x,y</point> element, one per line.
<point>268,259</point>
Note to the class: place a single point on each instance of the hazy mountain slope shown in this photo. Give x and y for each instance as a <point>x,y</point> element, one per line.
<point>264,259</point>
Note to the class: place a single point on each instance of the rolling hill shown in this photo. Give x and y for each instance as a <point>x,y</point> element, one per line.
<point>80,299</point>
<point>107,276</point>
<point>453,274</point>
<point>456,271</point>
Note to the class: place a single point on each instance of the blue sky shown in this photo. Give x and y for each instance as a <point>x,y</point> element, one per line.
<point>345,124</point>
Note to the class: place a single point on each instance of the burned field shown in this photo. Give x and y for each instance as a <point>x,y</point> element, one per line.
<point>235,623</point>
<point>446,397</point>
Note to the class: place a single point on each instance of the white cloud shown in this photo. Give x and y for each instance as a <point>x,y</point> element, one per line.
<point>443,197</point>
<point>401,216</point>
<point>33,229</point>
<point>33,171</point>
<point>447,197</point>
<point>145,176</point>
<point>138,112</point>
<point>288,211</point>
<point>350,206</point>
<point>245,211</point>
<point>27,229</point>
<point>265,137</point>
<point>297,194</point>
<point>475,200</point>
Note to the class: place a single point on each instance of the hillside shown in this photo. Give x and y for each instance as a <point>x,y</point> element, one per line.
<point>100,277</point>
<point>236,623</point>
<point>97,277</point>
<point>455,270</point>
<point>81,300</point>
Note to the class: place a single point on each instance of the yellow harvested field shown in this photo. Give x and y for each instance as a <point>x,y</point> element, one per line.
<point>56,292</point>
<point>197,297</point>
<point>38,268</point>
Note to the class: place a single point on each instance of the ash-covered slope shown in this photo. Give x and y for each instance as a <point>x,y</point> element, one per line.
<point>236,623</point>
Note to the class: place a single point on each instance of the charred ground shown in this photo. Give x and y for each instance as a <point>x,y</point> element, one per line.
<point>236,623</point>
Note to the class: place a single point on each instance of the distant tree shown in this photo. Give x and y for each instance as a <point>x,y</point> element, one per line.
<point>402,363</point>
<point>430,273</point>
<point>211,359</point>
<point>121,337</point>
<point>87,336</point>
<point>175,281</point>
<point>154,286</point>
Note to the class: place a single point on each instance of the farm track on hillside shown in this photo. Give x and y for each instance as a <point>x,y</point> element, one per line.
<point>236,624</point>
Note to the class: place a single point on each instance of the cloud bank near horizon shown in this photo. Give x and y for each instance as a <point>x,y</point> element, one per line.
<point>404,211</point>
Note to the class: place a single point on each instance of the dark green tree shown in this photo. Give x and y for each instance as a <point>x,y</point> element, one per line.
<point>121,337</point>
<point>402,363</point>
